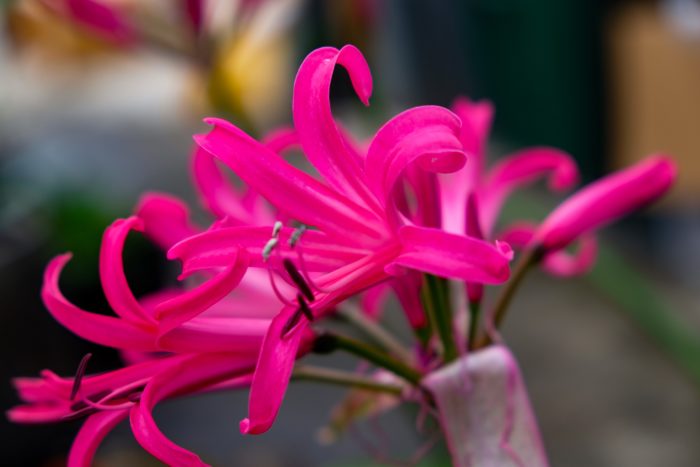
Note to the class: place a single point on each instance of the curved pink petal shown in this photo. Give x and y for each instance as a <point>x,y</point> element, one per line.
<point>290,190</point>
<point>607,199</point>
<point>476,117</point>
<point>520,169</point>
<point>559,263</point>
<point>114,283</point>
<point>281,140</point>
<point>103,330</point>
<point>323,143</point>
<point>105,21</point>
<point>217,248</point>
<point>95,428</point>
<point>172,313</point>
<point>485,411</point>
<point>203,334</point>
<point>453,256</point>
<point>218,195</point>
<point>427,135</point>
<point>564,264</point>
<point>166,219</point>
<point>407,289</point>
<point>192,375</point>
<point>273,371</point>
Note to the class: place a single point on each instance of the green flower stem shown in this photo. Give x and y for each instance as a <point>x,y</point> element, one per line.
<point>343,378</point>
<point>436,302</point>
<point>474,313</point>
<point>374,331</point>
<point>326,343</point>
<point>528,259</point>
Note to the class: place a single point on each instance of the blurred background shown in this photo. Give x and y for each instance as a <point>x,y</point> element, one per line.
<point>91,117</point>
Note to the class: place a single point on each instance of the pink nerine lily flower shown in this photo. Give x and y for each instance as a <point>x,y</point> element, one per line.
<point>360,237</point>
<point>185,340</point>
<point>472,201</point>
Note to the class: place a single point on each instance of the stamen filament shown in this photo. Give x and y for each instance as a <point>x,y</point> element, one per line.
<point>79,373</point>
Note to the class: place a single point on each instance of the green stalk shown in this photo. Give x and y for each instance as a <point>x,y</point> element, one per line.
<point>326,343</point>
<point>474,313</point>
<point>436,301</point>
<point>374,331</point>
<point>528,259</point>
<point>343,378</point>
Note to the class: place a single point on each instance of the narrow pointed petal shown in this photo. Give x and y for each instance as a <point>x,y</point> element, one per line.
<point>194,374</point>
<point>114,283</point>
<point>101,329</point>
<point>218,195</point>
<point>273,371</point>
<point>105,21</point>
<point>234,335</point>
<point>485,411</point>
<point>322,141</point>
<point>521,169</point>
<point>172,313</point>
<point>607,199</point>
<point>293,192</point>
<point>95,428</point>
<point>476,117</point>
<point>407,289</point>
<point>427,135</point>
<point>560,263</point>
<point>453,256</point>
<point>281,140</point>
<point>166,219</point>
<point>217,248</point>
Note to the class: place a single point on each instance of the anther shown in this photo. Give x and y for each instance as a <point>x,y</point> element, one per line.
<point>304,307</point>
<point>296,235</point>
<point>79,373</point>
<point>291,322</point>
<point>276,229</point>
<point>272,242</point>
<point>298,279</point>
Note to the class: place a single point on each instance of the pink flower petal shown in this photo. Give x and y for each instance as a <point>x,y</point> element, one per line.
<point>323,143</point>
<point>274,369</point>
<point>217,248</point>
<point>105,21</point>
<point>407,289</point>
<point>91,435</point>
<point>112,277</point>
<point>218,195</point>
<point>235,335</point>
<point>290,190</point>
<point>281,139</point>
<point>485,412</point>
<point>103,330</point>
<point>559,263</point>
<point>166,219</point>
<point>520,169</point>
<point>192,375</point>
<point>476,120</point>
<point>453,256</point>
<point>607,199</point>
<point>427,135</point>
<point>172,313</point>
